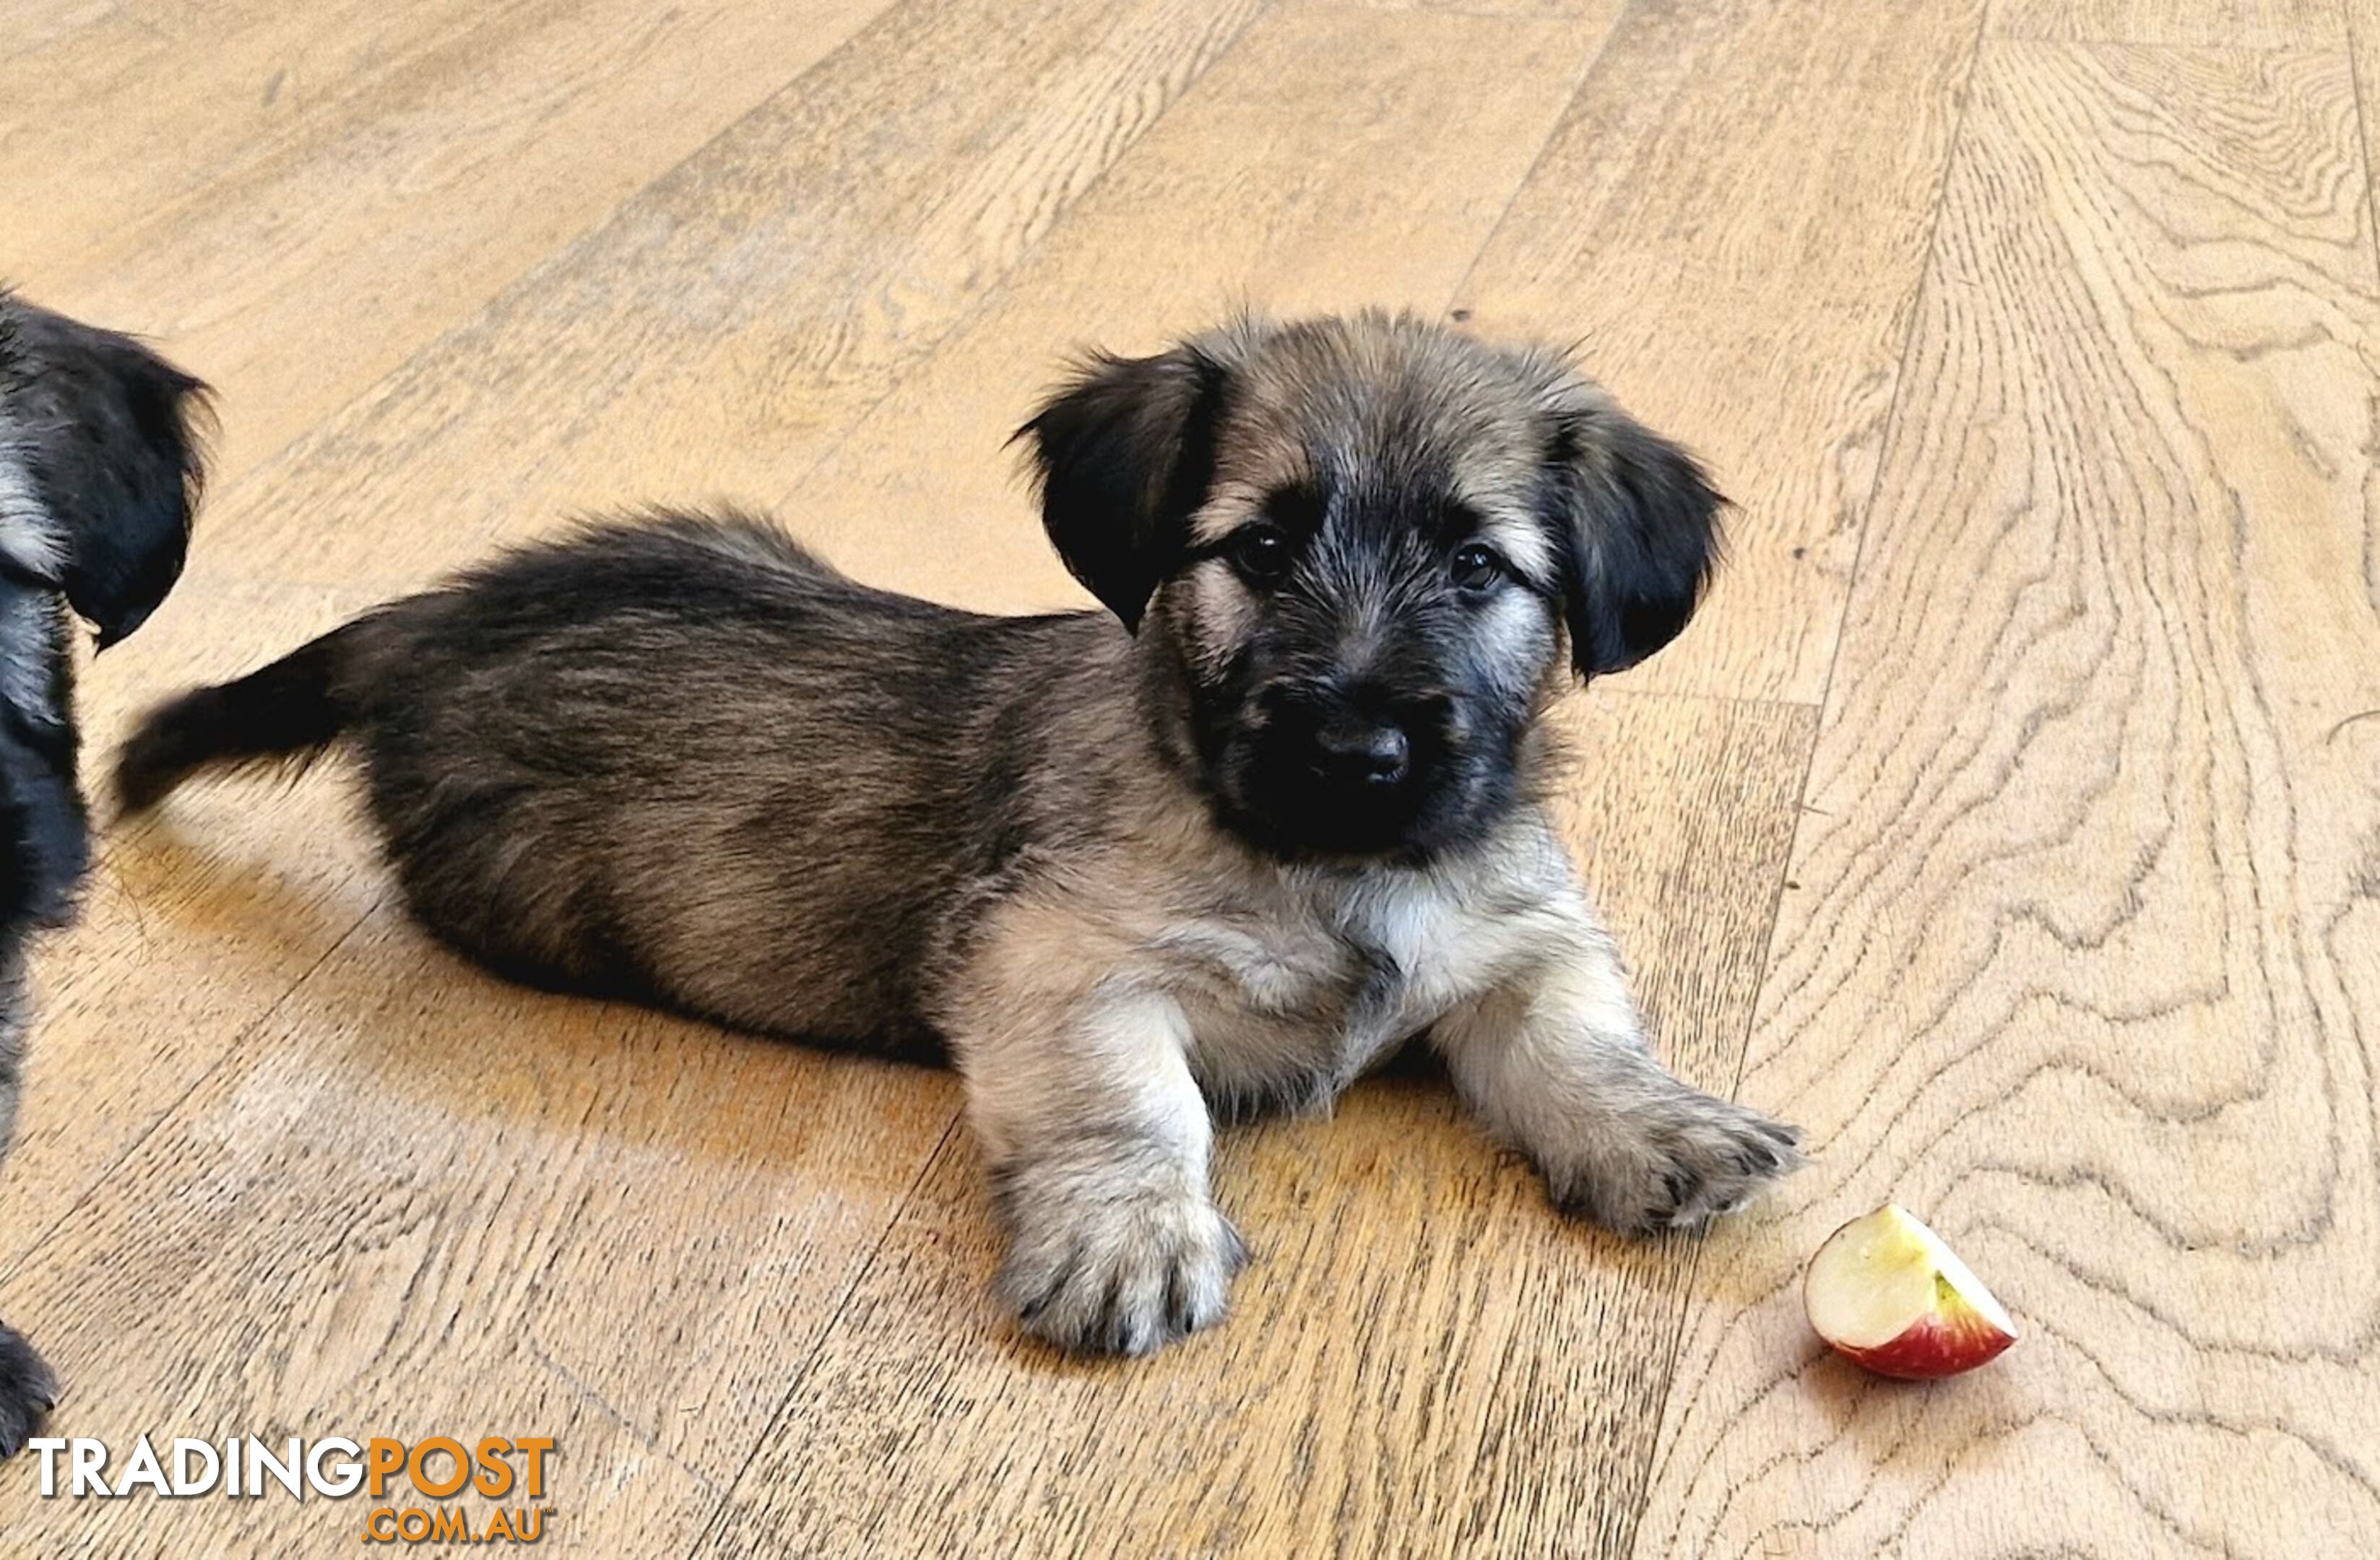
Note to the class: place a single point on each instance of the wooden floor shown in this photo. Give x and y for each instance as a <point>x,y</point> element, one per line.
<point>2010,817</point>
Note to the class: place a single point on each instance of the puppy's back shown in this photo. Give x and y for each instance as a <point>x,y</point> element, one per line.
<point>680,759</point>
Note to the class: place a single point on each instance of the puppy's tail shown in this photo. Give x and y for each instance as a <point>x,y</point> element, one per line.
<point>286,711</point>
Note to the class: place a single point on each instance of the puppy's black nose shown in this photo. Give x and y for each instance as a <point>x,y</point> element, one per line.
<point>1357,752</point>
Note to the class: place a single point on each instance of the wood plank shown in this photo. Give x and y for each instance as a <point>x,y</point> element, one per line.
<point>1379,190</point>
<point>2080,955</point>
<point>2239,24</point>
<point>729,323</point>
<point>142,104</point>
<point>1424,1358</point>
<point>296,198</point>
<point>1732,222</point>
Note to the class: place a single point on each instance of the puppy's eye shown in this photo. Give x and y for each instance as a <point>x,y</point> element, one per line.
<point>1260,552</point>
<point>1476,567</point>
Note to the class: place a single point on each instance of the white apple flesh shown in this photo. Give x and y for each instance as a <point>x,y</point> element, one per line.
<point>1888,1294</point>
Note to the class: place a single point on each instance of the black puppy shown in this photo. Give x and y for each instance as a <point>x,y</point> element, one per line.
<point>99,473</point>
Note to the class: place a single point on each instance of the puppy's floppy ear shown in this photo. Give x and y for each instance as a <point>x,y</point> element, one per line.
<point>113,454</point>
<point>1123,455</point>
<point>1638,524</point>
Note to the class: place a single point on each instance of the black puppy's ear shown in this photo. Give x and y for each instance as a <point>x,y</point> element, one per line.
<point>1637,523</point>
<point>114,455</point>
<point>1123,455</point>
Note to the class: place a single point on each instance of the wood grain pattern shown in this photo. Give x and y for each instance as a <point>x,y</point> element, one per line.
<point>1422,1357</point>
<point>152,100</point>
<point>2083,962</point>
<point>1731,223</point>
<point>348,182</point>
<point>2239,24</point>
<point>2362,19</point>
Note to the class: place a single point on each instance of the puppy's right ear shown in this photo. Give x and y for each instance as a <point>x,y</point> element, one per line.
<point>1639,524</point>
<point>114,455</point>
<point>1123,455</point>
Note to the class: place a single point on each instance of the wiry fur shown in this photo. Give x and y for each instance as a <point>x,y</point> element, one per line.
<point>99,473</point>
<point>1126,878</point>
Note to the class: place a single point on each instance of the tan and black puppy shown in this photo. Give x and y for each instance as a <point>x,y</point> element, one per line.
<point>1234,852</point>
<point>99,473</point>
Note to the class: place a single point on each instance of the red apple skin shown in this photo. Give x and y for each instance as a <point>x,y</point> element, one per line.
<point>1932,1347</point>
<point>1955,1325</point>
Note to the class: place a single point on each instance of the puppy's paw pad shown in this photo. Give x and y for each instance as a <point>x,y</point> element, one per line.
<point>28,1391</point>
<point>1680,1166</point>
<point>1125,1276</point>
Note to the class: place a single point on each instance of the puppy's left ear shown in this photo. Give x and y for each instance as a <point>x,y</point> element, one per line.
<point>1123,454</point>
<point>114,456</point>
<point>1637,522</point>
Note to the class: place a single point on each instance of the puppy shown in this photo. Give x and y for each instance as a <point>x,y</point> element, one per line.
<point>1229,847</point>
<point>98,473</point>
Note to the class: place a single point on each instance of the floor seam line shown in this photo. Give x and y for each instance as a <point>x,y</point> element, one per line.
<point>1545,149</point>
<point>826,1334</point>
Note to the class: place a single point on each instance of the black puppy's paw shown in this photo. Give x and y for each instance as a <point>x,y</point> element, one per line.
<point>28,1391</point>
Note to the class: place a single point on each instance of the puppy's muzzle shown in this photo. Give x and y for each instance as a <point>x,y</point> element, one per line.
<point>1348,766</point>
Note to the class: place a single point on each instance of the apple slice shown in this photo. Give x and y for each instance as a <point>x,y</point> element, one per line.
<point>1888,1294</point>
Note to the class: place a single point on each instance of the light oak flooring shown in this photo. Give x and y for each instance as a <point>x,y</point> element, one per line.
<point>2010,817</point>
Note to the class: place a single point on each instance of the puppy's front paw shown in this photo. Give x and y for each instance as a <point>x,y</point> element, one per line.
<point>1676,1164</point>
<point>28,1391</point>
<point>1105,1261</point>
